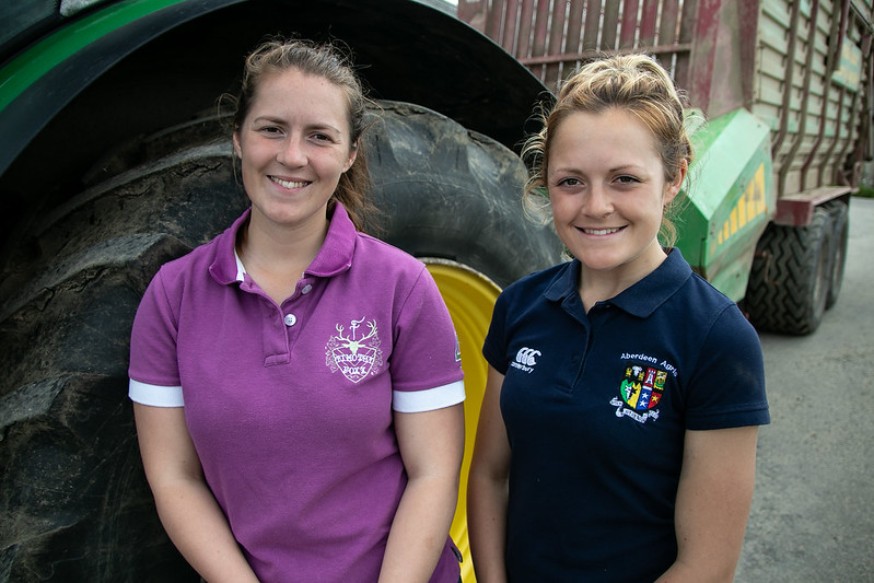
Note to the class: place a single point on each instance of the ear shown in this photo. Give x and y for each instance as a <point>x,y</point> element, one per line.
<point>237,149</point>
<point>353,154</point>
<point>674,187</point>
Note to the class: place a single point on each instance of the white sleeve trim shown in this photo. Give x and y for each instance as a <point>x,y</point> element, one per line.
<point>155,395</point>
<point>428,399</point>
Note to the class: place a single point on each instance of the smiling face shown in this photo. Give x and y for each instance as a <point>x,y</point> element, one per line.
<point>607,189</point>
<point>294,144</point>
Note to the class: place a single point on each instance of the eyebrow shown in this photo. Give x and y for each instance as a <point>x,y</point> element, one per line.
<point>315,126</point>
<point>621,168</point>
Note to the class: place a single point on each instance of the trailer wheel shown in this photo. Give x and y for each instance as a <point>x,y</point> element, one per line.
<point>839,212</point>
<point>789,279</point>
<point>74,504</point>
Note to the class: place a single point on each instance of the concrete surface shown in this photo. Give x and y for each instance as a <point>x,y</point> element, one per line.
<point>813,510</point>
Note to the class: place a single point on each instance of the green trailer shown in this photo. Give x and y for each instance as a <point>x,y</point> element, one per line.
<point>785,91</point>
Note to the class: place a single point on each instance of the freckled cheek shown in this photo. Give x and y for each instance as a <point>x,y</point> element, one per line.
<point>563,209</point>
<point>257,156</point>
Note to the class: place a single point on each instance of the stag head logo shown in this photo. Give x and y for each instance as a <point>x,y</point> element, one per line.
<point>356,353</point>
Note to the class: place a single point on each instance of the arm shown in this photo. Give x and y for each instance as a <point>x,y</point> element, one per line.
<point>431,445</point>
<point>713,503</point>
<point>487,487</point>
<point>188,510</point>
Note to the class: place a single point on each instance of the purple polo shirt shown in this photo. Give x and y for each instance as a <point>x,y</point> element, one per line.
<point>290,406</point>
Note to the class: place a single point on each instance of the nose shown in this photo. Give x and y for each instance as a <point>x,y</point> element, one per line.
<point>597,202</point>
<point>291,152</point>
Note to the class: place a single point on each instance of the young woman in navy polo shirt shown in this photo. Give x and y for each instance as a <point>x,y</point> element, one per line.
<point>299,418</point>
<point>617,440</point>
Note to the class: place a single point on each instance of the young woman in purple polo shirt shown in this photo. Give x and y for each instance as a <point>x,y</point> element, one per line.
<point>296,383</point>
<point>617,439</point>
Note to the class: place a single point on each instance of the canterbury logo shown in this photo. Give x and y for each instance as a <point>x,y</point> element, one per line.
<point>526,358</point>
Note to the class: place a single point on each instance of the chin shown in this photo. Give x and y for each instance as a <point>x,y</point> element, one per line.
<point>598,262</point>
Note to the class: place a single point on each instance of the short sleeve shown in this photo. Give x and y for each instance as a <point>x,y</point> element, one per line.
<point>495,344</point>
<point>153,359</point>
<point>728,385</point>
<point>426,360</point>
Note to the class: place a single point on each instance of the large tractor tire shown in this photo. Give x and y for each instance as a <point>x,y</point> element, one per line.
<point>74,504</point>
<point>453,198</point>
<point>789,280</point>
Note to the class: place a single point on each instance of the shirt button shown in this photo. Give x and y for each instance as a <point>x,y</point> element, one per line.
<point>306,289</point>
<point>290,320</point>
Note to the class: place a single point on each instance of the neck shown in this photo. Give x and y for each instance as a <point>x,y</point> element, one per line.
<point>283,245</point>
<point>598,285</point>
<point>276,257</point>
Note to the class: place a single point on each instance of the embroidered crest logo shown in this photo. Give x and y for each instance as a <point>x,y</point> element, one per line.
<point>355,353</point>
<point>641,391</point>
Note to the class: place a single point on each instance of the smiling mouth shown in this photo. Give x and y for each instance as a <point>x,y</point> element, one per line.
<point>601,232</point>
<point>288,183</point>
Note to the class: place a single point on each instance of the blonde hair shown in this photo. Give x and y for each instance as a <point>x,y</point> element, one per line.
<point>635,83</point>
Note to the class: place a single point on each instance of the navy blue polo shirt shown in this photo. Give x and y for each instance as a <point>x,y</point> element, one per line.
<point>596,406</point>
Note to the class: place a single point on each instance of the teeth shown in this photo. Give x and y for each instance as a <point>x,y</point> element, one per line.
<point>600,231</point>
<point>288,184</point>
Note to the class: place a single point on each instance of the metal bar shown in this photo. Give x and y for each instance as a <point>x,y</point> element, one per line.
<point>682,70</point>
<point>844,25</point>
<point>834,144</point>
<point>511,26</point>
<point>668,33</point>
<point>556,41</point>
<point>611,24</point>
<point>648,23</point>
<point>696,74</point>
<point>523,35</point>
<point>494,23</point>
<point>831,62</point>
<point>593,21</point>
<point>628,26</point>
<point>785,107</point>
<point>574,27</point>
<point>845,151</point>
<point>796,210</point>
<point>541,28</point>
<point>584,55</point>
<point>749,21</point>
<point>863,144</point>
<point>805,99</point>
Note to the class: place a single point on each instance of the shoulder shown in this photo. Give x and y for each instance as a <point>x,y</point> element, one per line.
<point>193,273</point>
<point>552,279</point>
<point>707,302</point>
<point>695,313</point>
<point>375,247</point>
<point>374,256</point>
<point>182,268</point>
<point>215,258</point>
<point>682,293</point>
<point>713,323</point>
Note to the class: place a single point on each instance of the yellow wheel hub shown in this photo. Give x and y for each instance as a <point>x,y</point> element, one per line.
<point>470,297</point>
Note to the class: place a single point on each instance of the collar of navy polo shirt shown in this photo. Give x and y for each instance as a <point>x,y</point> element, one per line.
<point>333,258</point>
<point>641,299</point>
